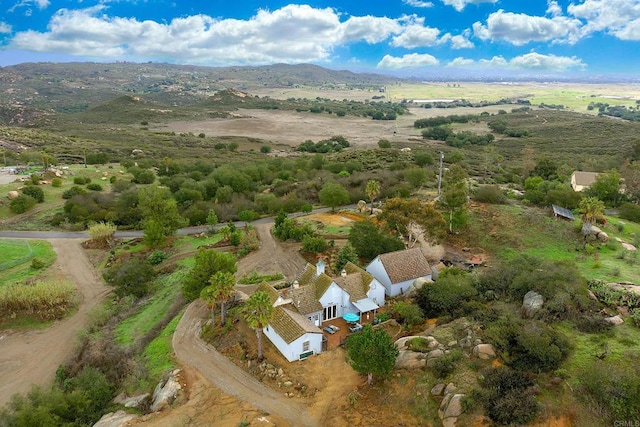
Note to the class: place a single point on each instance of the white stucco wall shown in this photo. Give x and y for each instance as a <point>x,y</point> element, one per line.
<point>292,351</point>
<point>376,292</point>
<point>376,268</point>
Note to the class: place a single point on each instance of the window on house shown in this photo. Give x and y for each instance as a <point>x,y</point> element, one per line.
<point>305,346</point>
<point>330,312</point>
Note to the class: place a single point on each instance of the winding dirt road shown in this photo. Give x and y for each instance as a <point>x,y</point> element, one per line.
<point>32,357</point>
<point>272,257</point>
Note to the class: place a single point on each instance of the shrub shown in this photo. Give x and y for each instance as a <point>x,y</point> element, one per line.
<point>265,149</point>
<point>408,313</point>
<point>80,180</point>
<point>157,257</point>
<point>314,244</point>
<point>131,277</point>
<point>22,204</point>
<point>37,264</point>
<point>36,192</point>
<point>533,346</point>
<point>56,182</point>
<point>446,296</point>
<point>508,396</point>
<point>73,191</point>
<point>612,389</point>
<point>490,194</point>
<point>445,365</point>
<point>630,212</point>
<point>102,233</point>
<point>94,187</point>
<point>383,143</point>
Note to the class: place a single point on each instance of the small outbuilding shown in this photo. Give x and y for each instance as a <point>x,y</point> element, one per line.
<point>582,180</point>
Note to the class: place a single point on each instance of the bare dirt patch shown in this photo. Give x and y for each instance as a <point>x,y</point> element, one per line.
<point>335,219</point>
<point>32,357</point>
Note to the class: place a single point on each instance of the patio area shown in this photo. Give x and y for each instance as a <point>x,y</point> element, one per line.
<point>340,336</point>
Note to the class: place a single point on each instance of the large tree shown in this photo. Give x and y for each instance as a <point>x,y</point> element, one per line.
<point>411,219</point>
<point>207,263</point>
<point>372,352</point>
<point>160,213</point>
<point>333,194</point>
<point>258,312</point>
<point>606,188</point>
<point>454,194</point>
<point>369,240</point>
<point>220,289</point>
<point>372,190</point>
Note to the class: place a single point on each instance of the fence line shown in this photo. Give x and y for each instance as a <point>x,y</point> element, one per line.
<point>16,262</point>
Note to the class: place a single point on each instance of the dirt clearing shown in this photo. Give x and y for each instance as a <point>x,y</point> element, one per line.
<point>32,357</point>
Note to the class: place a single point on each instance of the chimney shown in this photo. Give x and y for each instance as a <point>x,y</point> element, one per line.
<point>296,284</point>
<point>319,268</point>
<point>343,273</point>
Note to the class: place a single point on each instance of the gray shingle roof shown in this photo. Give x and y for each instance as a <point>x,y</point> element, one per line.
<point>405,265</point>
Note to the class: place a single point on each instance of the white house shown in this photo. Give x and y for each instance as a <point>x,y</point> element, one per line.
<point>582,180</point>
<point>315,298</point>
<point>398,270</point>
<point>293,334</point>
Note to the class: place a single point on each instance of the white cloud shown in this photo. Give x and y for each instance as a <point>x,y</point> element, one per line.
<point>553,8</point>
<point>529,61</point>
<point>371,29</point>
<point>459,5</point>
<point>40,4</point>
<point>461,41</point>
<point>294,33</point>
<point>619,18</point>
<point>417,3</point>
<point>536,61</point>
<point>460,62</point>
<point>495,62</point>
<point>416,35</point>
<point>411,60</point>
<point>4,28</point>
<point>519,29</point>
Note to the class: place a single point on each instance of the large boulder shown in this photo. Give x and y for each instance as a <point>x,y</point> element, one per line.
<point>484,351</point>
<point>450,409</point>
<point>614,320</point>
<point>115,419</point>
<point>410,360</point>
<point>166,392</point>
<point>12,195</point>
<point>362,206</point>
<point>531,303</point>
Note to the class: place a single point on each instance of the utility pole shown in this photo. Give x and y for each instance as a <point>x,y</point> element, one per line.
<point>440,173</point>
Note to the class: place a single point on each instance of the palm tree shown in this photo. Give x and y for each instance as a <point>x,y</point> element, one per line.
<point>591,209</point>
<point>224,283</point>
<point>208,295</point>
<point>258,311</point>
<point>167,162</point>
<point>372,190</point>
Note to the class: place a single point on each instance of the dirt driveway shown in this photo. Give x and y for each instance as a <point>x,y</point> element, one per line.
<point>32,357</point>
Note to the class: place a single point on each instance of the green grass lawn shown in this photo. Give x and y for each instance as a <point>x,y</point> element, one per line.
<point>15,249</point>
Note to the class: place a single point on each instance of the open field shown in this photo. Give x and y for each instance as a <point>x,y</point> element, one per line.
<point>575,96</point>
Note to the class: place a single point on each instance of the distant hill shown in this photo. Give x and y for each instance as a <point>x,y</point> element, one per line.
<point>76,87</point>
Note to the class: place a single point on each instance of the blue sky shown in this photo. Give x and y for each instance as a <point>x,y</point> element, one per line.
<point>386,36</point>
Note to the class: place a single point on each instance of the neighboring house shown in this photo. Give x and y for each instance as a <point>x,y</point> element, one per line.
<point>582,180</point>
<point>398,270</point>
<point>315,298</point>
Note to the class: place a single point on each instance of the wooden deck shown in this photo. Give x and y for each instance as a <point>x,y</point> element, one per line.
<point>339,338</point>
